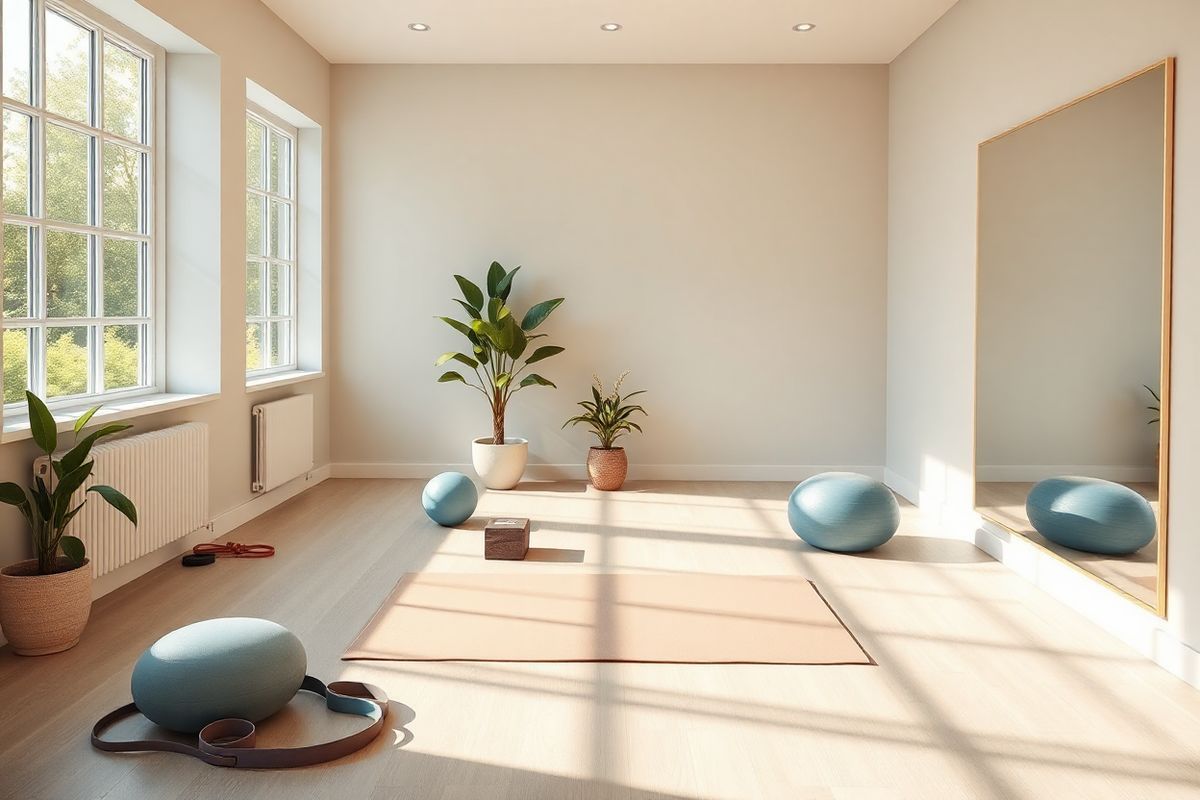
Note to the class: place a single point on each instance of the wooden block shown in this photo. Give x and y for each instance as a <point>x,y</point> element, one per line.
<point>506,538</point>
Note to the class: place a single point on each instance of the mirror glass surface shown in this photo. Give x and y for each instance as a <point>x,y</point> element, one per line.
<point>1073,215</point>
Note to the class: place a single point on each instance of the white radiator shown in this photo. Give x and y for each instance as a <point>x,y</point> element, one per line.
<point>164,473</point>
<point>283,441</point>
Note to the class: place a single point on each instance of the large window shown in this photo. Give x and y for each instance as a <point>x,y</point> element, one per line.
<point>270,244</point>
<point>79,246</point>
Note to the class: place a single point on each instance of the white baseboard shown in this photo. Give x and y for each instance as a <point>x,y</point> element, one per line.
<point>644,472</point>
<point>1029,473</point>
<point>1129,622</point>
<point>902,486</point>
<point>221,525</point>
<point>237,516</point>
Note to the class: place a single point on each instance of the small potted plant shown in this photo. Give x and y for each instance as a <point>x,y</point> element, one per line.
<point>45,601</point>
<point>609,417</point>
<point>498,355</point>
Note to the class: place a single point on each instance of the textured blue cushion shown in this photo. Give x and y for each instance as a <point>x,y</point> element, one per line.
<point>1091,514</point>
<point>844,512</point>
<point>219,668</point>
<point>450,499</point>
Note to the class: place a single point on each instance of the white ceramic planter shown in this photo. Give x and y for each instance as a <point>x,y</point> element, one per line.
<point>500,466</point>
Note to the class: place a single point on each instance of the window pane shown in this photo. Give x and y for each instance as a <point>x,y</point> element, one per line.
<point>122,290</point>
<point>16,271</point>
<point>122,188</point>
<point>255,212</point>
<point>17,35</point>
<point>122,92</point>
<point>68,68</point>
<point>66,274</point>
<point>254,305</point>
<point>16,364</point>
<point>279,230</point>
<point>68,159</point>
<point>255,133</point>
<point>281,343</point>
<point>122,357</point>
<point>17,127</point>
<point>66,361</point>
<point>254,350</point>
<point>279,299</point>
<point>281,164</point>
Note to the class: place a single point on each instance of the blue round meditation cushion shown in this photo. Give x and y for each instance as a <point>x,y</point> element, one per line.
<point>217,669</point>
<point>1092,515</point>
<point>844,512</point>
<point>450,499</point>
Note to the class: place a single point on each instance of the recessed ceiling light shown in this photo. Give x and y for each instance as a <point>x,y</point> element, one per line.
<point>418,26</point>
<point>803,27</point>
<point>610,26</point>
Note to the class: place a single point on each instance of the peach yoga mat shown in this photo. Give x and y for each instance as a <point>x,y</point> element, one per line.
<point>702,619</point>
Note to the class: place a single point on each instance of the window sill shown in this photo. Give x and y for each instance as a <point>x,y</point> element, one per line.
<point>259,383</point>
<point>16,426</point>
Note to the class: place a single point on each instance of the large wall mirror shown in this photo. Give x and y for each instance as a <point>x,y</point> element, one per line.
<point>1073,332</point>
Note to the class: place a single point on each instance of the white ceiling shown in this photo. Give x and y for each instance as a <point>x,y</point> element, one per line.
<point>568,31</point>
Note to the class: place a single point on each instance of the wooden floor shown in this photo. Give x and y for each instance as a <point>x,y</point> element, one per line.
<point>1135,574</point>
<point>985,688</point>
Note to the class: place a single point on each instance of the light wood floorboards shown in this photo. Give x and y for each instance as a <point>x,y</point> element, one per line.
<point>985,687</point>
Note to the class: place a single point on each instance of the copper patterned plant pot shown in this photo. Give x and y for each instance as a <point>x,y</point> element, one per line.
<point>43,614</point>
<point>607,468</point>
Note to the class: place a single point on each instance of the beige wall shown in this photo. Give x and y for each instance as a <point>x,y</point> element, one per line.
<point>984,67</point>
<point>718,230</point>
<point>251,43</point>
<point>1070,289</point>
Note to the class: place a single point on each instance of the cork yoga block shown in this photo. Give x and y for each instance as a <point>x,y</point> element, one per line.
<point>506,538</point>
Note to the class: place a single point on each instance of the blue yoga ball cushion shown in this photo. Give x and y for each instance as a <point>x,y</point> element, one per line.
<point>844,512</point>
<point>450,499</point>
<point>1092,515</point>
<point>217,669</point>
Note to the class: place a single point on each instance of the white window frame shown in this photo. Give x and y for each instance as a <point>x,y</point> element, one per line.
<point>104,30</point>
<point>273,124</point>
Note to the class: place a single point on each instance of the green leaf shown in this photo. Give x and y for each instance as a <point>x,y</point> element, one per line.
<point>537,315</point>
<point>519,340</point>
<point>41,423</point>
<point>117,500</point>
<point>79,453</point>
<point>471,312</point>
<point>505,284</point>
<point>85,418</point>
<point>497,310</point>
<point>67,487</point>
<point>544,352</point>
<point>447,377</point>
<point>73,549</point>
<point>461,327</point>
<point>494,276</point>
<point>459,357</point>
<point>471,292</point>
<point>534,379</point>
<point>502,380</point>
<point>12,494</point>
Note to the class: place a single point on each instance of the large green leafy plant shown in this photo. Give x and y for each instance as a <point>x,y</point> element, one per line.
<point>47,505</point>
<point>499,352</point>
<point>608,413</point>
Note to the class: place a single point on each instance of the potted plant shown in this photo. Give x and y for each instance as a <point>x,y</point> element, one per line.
<point>499,357</point>
<point>1155,420</point>
<point>45,601</point>
<point>609,417</point>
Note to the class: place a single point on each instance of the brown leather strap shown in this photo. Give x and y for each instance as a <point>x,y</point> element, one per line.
<point>230,742</point>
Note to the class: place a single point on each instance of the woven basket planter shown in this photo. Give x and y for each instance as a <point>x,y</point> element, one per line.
<point>607,468</point>
<point>43,614</point>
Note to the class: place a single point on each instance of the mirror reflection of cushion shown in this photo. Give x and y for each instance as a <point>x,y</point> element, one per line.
<point>1091,514</point>
<point>234,667</point>
<point>450,499</point>
<point>844,512</point>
